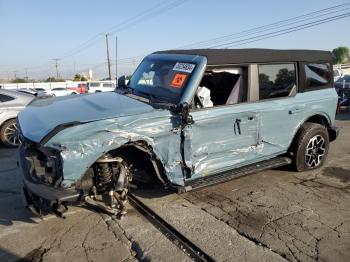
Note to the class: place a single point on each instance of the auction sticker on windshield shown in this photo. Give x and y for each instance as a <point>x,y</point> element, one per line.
<point>184,67</point>
<point>178,80</point>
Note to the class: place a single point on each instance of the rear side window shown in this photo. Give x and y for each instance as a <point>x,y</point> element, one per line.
<point>318,76</point>
<point>107,85</point>
<point>5,98</point>
<point>276,80</point>
<point>94,84</point>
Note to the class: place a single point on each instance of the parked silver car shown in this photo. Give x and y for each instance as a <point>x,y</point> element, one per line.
<point>11,103</point>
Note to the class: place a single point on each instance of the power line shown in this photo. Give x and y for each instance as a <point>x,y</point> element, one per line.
<point>275,25</point>
<point>256,34</point>
<point>282,32</point>
<point>159,10</point>
<point>147,14</point>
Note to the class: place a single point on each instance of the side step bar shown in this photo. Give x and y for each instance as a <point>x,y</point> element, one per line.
<point>238,172</point>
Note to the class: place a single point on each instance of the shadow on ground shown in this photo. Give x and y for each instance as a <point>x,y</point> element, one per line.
<point>343,116</point>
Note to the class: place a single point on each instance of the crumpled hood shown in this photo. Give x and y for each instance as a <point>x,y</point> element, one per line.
<point>43,115</point>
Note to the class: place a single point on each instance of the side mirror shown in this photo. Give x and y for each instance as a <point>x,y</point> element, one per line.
<point>121,82</point>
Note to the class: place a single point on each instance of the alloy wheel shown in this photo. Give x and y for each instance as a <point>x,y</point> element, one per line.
<point>315,151</point>
<point>11,135</point>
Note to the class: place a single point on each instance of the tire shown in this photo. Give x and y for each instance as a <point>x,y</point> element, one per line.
<point>8,133</point>
<point>310,147</point>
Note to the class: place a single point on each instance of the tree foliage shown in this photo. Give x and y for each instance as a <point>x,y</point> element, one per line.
<point>53,79</point>
<point>341,54</point>
<point>19,80</point>
<point>79,77</point>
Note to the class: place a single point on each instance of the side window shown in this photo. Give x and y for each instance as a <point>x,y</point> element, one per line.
<point>5,98</point>
<point>107,85</point>
<point>222,86</point>
<point>276,80</point>
<point>318,76</point>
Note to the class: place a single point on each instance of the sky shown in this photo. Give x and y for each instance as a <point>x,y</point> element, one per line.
<point>34,32</point>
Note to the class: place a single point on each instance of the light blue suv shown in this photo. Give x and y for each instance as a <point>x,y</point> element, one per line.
<point>186,119</point>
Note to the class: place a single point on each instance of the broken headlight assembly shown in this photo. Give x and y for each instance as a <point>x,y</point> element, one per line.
<point>45,165</point>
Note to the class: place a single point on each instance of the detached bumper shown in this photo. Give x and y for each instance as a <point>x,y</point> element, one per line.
<point>43,197</point>
<point>333,133</point>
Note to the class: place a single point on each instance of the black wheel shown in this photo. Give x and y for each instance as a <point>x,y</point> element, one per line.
<point>8,133</point>
<point>310,148</point>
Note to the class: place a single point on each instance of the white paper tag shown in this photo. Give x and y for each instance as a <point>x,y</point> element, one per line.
<point>184,67</point>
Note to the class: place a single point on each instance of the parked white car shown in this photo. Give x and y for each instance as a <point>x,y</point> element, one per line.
<point>61,91</point>
<point>11,103</point>
<point>95,87</point>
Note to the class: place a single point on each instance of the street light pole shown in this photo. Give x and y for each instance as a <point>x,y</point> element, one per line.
<point>108,60</point>
<point>116,57</point>
<point>56,66</point>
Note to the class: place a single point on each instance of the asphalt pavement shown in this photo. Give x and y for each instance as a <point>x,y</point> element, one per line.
<point>275,215</point>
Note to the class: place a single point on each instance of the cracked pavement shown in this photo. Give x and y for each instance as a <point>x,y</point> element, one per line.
<point>84,235</point>
<point>274,215</point>
<point>300,216</point>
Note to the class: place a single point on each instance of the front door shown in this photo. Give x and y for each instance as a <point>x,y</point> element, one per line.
<point>220,139</point>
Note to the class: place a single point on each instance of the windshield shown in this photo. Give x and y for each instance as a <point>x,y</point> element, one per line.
<point>336,73</point>
<point>164,80</point>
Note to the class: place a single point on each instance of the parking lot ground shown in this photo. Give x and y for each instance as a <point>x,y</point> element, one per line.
<point>84,235</point>
<point>270,216</point>
<point>297,216</point>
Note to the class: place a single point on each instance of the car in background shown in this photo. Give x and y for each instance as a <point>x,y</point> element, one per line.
<point>39,89</point>
<point>28,91</point>
<point>342,83</point>
<point>80,89</point>
<point>11,103</point>
<point>337,73</point>
<point>95,87</point>
<point>35,92</point>
<point>61,91</point>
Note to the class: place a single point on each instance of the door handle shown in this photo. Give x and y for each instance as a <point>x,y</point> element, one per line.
<point>238,124</point>
<point>250,117</point>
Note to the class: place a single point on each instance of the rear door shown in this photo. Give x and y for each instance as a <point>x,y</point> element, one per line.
<point>280,109</point>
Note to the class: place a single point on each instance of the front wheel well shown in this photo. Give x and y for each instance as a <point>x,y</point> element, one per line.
<point>13,118</point>
<point>143,161</point>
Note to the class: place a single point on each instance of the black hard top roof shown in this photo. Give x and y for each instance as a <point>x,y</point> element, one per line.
<point>235,56</point>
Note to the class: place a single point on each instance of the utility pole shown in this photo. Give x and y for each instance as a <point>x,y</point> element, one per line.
<point>15,73</point>
<point>26,74</point>
<point>56,66</point>
<point>116,58</point>
<point>108,60</point>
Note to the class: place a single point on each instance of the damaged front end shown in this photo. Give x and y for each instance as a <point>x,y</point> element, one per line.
<point>104,185</point>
